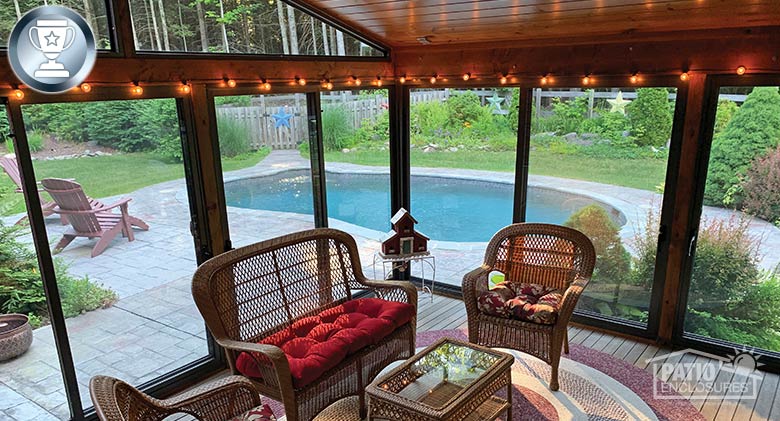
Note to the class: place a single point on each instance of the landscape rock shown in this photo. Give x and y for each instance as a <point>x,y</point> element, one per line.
<point>570,137</point>
<point>453,149</point>
<point>345,150</point>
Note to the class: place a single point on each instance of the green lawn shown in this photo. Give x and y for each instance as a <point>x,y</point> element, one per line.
<point>643,174</point>
<point>111,175</point>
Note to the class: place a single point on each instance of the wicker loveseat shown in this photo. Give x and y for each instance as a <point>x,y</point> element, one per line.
<point>285,313</point>
<point>546,268</point>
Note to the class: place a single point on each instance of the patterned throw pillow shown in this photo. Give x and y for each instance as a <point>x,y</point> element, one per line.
<point>522,301</point>
<point>261,413</point>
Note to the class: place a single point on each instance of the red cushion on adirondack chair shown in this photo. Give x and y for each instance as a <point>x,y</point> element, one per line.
<point>316,344</point>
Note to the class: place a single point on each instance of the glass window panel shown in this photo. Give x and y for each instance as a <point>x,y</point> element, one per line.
<point>31,385</point>
<point>264,144</point>
<point>598,164</point>
<point>356,136</point>
<point>130,312</point>
<point>93,11</point>
<point>734,293</point>
<point>254,27</point>
<point>462,172</point>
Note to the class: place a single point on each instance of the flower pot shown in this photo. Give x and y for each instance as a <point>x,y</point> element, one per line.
<point>16,335</point>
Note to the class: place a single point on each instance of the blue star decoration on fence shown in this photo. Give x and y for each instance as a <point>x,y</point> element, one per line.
<point>282,118</point>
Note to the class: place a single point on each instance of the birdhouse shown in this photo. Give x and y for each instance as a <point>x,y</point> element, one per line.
<point>403,239</point>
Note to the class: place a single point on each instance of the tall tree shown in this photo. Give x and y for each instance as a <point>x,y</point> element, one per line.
<point>340,43</point>
<point>164,23</point>
<point>132,23</point>
<point>293,30</point>
<point>223,27</point>
<point>282,27</point>
<point>313,35</point>
<point>89,14</point>
<point>325,43</point>
<point>154,25</point>
<point>17,9</point>
<point>181,23</point>
<point>204,35</point>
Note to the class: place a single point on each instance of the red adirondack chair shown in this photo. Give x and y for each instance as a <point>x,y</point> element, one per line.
<point>11,167</point>
<point>90,218</point>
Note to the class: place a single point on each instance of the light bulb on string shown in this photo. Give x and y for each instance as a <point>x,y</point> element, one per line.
<point>503,79</point>
<point>684,76</point>
<point>402,79</point>
<point>137,89</point>
<point>634,78</point>
<point>466,76</point>
<point>741,70</point>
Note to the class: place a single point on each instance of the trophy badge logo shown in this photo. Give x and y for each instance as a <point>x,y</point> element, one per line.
<point>52,49</point>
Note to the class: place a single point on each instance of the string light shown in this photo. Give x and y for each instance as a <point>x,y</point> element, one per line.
<point>466,76</point>
<point>586,80</point>
<point>545,80</point>
<point>85,87</point>
<point>634,78</point>
<point>356,80</point>
<point>265,85</point>
<point>741,70</point>
<point>503,79</point>
<point>18,94</point>
<point>301,81</point>
<point>185,88</point>
<point>684,76</point>
<point>137,89</point>
<point>230,83</point>
<point>379,80</point>
<point>402,79</point>
<point>433,78</point>
<point>327,84</point>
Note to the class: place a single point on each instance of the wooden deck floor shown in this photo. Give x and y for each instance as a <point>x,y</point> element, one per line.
<point>447,313</point>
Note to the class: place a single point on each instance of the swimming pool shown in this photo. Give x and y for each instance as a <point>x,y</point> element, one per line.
<point>448,209</point>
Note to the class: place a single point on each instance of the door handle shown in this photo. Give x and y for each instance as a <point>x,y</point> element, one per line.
<point>690,245</point>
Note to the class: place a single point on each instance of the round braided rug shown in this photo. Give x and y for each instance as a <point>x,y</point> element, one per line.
<point>593,386</point>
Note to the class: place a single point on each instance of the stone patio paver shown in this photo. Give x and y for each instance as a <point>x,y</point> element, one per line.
<point>155,326</point>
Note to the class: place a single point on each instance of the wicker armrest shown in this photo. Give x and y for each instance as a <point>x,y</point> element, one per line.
<point>393,290</point>
<point>476,282</point>
<point>570,298</point>
<point>274,354</point>
<point>219,400</point>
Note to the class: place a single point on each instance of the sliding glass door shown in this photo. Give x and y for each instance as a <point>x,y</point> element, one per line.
<point>733,288</point>
<point>599,161</point>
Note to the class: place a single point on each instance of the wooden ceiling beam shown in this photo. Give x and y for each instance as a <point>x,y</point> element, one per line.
<point>758,52</point>
<point>158,69</point>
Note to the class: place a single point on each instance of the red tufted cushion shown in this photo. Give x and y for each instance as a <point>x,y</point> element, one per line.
<point>314,345</point>
<point>522,301</point>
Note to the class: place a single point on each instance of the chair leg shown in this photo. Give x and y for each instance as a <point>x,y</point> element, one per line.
<point>64,241</point>
<point>554,376</point>
<point>106,239</point>
<point>566,342</point>
<point>138,223</point>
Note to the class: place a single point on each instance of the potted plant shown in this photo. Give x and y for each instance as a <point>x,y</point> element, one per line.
<point>16,335</point>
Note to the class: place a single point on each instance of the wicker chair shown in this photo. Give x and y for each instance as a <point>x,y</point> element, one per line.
<point>549,255</point>
<point>221,400</point>
<point>251,293</point>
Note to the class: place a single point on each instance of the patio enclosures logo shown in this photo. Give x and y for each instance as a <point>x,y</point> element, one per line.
<point>691,374</point>
<point>51,49</point>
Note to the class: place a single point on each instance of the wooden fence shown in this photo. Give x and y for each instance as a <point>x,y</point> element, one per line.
<point>264,114</point>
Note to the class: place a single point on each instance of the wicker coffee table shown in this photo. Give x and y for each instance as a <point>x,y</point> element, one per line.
<point>450,380</point>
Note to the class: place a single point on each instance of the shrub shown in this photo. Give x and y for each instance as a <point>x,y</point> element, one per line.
<point>34,141</point>
<point>514,110</point>
<point>21,288</point>
<point>726,265</point>
<point>463,107</point>
<point>233,137</point>
<point>169,148</point>
<point>650,117</point>
<point>5,128</point>
<point>754,128</point>
<point>725,112</point>
<point>568,115</point>
<point>375,131</point>
<point>612,259</point>
<point>336,128</point>
<point>761,187</point>
<point>609,126</point>
<point>428,118</point>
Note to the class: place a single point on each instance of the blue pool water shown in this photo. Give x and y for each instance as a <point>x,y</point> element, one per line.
<point>448,209</point>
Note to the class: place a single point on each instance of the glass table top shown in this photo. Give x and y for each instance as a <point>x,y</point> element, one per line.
<point>438,376</point>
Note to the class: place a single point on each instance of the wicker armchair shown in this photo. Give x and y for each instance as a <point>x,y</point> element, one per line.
<point>221,400</point>
<point>549,255</point>
<point>251,293</point>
